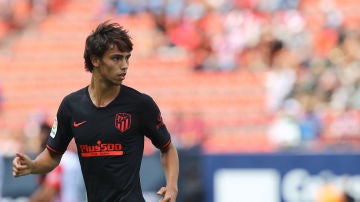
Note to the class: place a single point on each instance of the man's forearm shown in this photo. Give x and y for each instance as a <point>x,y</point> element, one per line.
<point>45,162</point>
<point>170,163</point>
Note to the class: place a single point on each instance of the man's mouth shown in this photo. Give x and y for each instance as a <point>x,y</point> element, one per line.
<point>122,76</point>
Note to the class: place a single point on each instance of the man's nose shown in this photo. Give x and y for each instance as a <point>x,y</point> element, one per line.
<point>124,64</point>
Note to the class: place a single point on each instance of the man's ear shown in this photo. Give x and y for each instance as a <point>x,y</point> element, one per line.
<point>95,61</point>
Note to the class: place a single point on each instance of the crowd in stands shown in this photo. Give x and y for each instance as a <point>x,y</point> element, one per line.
<point>17,14</point>
<point>308,51</point>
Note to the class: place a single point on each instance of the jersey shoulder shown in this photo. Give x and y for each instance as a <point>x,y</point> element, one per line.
<point>134,94</point>
<point>74,99</point>
<point>76,94</point>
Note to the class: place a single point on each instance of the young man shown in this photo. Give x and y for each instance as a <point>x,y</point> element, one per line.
<point>108,121</point>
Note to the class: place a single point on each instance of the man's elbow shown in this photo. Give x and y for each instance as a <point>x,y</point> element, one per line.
<point>169,147</point>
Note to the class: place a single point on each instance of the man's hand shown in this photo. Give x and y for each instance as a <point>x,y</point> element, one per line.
<point>169,195</point>
<point>22,165</point>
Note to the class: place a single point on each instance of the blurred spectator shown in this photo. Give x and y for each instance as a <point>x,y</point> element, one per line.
<point>53,6</point>
<point>189,130</point>
<point>309,120</point>
<point>63,184</point>
<point>15,15</point>
<point>45,130</point>
<point>281,77</point>
<point>278,4</point>
<point>284,132</point>
<point>39,9</point>
<point>327,84</point>
<point>32,129</point>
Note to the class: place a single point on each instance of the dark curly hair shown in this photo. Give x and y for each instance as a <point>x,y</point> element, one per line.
<point>99,41</point>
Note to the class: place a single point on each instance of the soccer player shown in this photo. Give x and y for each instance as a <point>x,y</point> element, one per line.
<point>108,121</point>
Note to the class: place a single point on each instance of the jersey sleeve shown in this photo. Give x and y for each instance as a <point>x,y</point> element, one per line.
<point>154,127</point>
<point>60,134</point>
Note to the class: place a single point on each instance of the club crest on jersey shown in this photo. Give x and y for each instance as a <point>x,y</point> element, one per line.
<point>122,121</point>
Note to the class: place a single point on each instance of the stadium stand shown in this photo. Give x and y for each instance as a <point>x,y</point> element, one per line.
<point>44,62</point>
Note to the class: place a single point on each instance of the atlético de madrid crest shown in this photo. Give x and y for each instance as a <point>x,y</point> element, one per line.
<point>123,121</point>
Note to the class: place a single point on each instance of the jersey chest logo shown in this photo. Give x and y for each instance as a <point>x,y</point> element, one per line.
<point>122,121</point>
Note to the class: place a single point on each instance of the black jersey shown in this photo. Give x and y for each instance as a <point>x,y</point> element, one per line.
<point>110,141</point>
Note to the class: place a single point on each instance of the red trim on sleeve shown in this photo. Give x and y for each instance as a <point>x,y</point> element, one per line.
<point>166,145</point>
<point>53,150</point>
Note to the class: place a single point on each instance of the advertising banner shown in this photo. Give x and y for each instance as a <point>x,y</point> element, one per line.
<point>281,177</point>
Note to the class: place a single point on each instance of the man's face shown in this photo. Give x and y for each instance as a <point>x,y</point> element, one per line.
<point>113,65</point>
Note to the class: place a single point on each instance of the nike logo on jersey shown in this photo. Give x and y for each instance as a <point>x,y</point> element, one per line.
<point>77,124</point>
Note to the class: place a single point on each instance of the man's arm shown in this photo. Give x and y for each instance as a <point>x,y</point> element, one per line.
<point>43,163</point>
<point>170,163</point>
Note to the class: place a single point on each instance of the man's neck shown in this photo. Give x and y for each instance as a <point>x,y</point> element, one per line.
<point>101,94</point>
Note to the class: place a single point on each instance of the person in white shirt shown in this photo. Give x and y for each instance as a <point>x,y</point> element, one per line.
<point>63,184</point>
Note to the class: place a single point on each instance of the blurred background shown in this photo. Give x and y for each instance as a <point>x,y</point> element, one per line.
<point>261,97</point>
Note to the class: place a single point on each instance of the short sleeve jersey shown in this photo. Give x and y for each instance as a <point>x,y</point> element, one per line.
<point>110,140</point>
